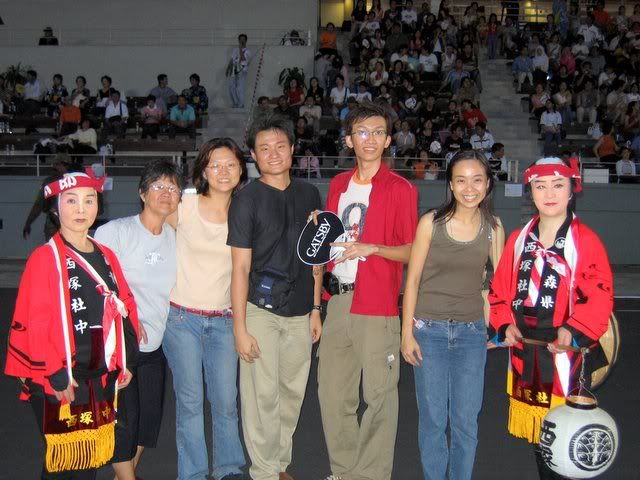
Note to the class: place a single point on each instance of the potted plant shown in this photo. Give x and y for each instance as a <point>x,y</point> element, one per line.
<point>287,74</point>
<point>15,74</point>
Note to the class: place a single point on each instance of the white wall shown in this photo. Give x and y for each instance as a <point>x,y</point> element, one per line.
<point>158,13</point>
<point>134,69</point>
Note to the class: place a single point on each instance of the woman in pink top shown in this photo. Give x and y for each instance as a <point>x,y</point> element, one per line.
<point>199,334</point>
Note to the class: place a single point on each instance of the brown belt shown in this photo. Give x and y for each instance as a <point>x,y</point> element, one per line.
<point>203,313</point>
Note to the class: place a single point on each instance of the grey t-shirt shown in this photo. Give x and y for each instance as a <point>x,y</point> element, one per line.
<point>149,265</point>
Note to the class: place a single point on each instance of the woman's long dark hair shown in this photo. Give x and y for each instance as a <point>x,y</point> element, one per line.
<point>446,211</point>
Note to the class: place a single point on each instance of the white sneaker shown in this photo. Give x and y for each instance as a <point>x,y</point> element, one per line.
<point>332,477</point>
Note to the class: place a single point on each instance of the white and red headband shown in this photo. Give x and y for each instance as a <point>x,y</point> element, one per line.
<point>554,167</point>
<point>74,180</point>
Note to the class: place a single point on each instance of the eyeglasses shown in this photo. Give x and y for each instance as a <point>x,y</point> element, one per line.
<point>161,187</point>
<point>365,134</point>
<point>230,167</point>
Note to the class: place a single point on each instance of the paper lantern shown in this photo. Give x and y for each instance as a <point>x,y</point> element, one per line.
<point>579,439</point>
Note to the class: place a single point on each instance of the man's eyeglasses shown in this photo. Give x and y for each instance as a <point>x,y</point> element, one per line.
<point>161,187</point>
<point>365,134</point>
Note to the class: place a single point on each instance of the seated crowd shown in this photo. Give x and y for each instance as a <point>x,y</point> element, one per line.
<point>423,66</point>
<point>84,118</point>
<point>581,71</point>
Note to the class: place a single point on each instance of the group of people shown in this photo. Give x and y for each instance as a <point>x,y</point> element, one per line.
<point>163,106</point>
<point>582,68</point>
<point>210,279</point>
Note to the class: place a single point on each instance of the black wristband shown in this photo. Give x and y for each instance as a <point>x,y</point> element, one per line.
<point>317,307</point>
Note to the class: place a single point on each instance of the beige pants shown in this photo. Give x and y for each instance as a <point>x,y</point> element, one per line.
<point>353,346</point>
<point>272,389</point>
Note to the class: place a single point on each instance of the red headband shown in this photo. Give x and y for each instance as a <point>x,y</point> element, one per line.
<point>74,180</point>
<point>555,170</point>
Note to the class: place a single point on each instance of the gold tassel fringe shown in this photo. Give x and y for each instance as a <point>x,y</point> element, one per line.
<point>65,411</point>
<point>80,450</point>
<point>525,420</point>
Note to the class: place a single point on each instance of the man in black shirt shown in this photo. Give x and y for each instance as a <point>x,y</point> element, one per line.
<point>274,296</point>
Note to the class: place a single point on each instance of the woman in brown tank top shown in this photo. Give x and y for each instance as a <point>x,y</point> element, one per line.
<point>444,335</point>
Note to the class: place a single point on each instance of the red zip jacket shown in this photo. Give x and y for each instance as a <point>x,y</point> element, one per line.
<point>392,218</point>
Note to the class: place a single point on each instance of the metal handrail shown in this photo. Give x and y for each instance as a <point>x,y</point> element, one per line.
<point>192,36</point>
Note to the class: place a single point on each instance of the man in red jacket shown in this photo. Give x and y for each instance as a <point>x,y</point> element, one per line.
<point>362,331</point>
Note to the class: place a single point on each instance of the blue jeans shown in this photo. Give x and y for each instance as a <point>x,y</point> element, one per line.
<point>449,387</point>
<point>193,343</point>
<point>237,86</point>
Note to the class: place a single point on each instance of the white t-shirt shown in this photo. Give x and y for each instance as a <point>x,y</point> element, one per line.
<point>409,16</point>
<point>149,264</point>
<point>352,209</point>
<point>339,96</point>
<point>625,167</point>
<point>429,63</point>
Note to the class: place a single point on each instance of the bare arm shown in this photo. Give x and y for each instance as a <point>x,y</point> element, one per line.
<point>419,250</point>
<point>315,318</point>
<point>246,345</point>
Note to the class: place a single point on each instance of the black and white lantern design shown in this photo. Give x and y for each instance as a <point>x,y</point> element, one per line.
<point>579,439</point>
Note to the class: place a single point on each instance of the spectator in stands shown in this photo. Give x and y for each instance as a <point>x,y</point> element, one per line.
<point>369,26</point>
<point>426,135</point>
<point>165,96</point>
<point>378,42</point>
<point>350,105</point>
<point>448,59</point>
<point>631,123</point>
<point>508,34</point>
<point>338,96</point>
<point>455,141</point>
<point>363,94</point>
<point>47,38</point>
<point>104,92</point>
<point>468,91</point>
<point>568,60</point>
<point>316,91</point>
<point>81,90</point>
<point>182,119</point>
<point>402,54</point>
<point>482,140</point>
<point>409,16</point>
<point>554,48</point>
<point>404,140</point>
<point>303,136</point>
<point>262,109</point>
<point>580,50</point>
<point>295,93</point>
<point>625,167</point>
<point>152,116</point>
<point>84,140</point>
<point>452,115</point>
<point>540,63</point>
<point>329,40</point>
<point>563,100</point>
<point>358,16</point>
<point>285,110</point>
<point>470,61</point>
<point>30,100</point>
<point>55,96</point>
<point>600,15</point>
<point>492,36</point>
<point>309,165</point>
<point>379,75</point>
<point>606,149</point>
<point>196,95</point>
<point>522,68</point>
<point>622,21</point>
<point>538,100</point>
<point>498,161</point>
<point>607,77</point>
<point>616,101</point>
<point>116,116</point>
<point>70,117</point>
<point>587,102</point>
<point>590,32</point>
<point>238,70</point>
<point>471,115</point>
<point>453,80</point>
<point>322,66</point>
<point>551,126</point>
<point>312,113</point>
<point>376,8</point>
<point>395,39</point>
<point>582,77</point>
<point>429,64</point>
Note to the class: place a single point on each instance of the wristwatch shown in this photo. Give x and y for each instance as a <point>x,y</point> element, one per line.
<point>317,307</point>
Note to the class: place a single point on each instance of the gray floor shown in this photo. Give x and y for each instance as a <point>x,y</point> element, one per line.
<point>499,456</point>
